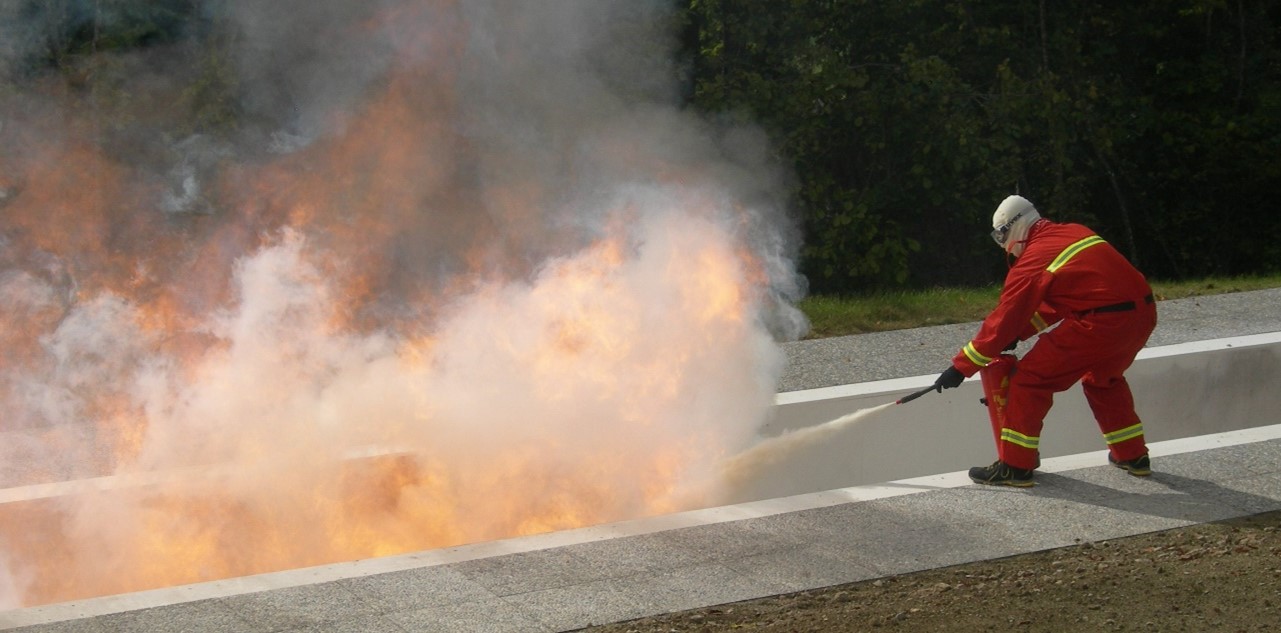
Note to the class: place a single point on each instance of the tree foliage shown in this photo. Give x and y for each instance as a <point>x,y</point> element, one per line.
<point>1155,122</point>
<point>78,28</point>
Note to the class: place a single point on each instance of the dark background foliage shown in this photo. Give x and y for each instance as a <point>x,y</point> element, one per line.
<point>1156,122</point>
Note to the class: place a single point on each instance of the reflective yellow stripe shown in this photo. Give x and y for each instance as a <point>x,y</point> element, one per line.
<point>974,355</point>
<point>1014,437</point>
<point>1038,322</point>
<point>1071,251</point>
<point>1127,433</point>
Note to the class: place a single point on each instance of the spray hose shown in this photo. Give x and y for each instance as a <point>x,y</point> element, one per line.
<point>912,396</point>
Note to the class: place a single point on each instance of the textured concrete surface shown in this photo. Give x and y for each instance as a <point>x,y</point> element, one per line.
<point>1180,390</point>
<point>565,581</point>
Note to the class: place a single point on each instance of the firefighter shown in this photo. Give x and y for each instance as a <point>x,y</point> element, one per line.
<point>1067,275</point>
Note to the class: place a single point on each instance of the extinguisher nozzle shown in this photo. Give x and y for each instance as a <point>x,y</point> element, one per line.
<point>912,396</point>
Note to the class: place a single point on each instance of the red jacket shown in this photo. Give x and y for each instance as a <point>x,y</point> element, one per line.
<point>1064,269</point>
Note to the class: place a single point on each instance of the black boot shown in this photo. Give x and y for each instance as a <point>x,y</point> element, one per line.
<point>1139,467</point>
<point>1001,474</point>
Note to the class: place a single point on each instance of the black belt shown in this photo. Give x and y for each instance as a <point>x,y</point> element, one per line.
<point>1124,306</point>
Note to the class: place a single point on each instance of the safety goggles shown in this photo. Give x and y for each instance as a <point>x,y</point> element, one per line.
<point>1001,233</point>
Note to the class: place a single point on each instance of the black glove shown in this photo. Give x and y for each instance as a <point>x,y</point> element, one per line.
<point>949,379</point>
<point>1009,348</point>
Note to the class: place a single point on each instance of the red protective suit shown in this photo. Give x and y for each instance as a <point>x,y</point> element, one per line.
<point>1105,313</point>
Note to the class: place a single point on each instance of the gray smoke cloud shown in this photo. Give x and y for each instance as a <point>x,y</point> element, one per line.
<point>302,64</point>
<point>18,38</point>
<point>462,271</point>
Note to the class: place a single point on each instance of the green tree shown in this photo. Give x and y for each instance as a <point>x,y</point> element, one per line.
<point>1155,122</point>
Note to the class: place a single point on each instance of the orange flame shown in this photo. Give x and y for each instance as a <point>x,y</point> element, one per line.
<point>365,351</point>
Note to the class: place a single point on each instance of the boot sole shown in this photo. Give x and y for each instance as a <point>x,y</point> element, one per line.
<point>1130,468</point>
<point>1135,471</point>
<point>1015,484</point>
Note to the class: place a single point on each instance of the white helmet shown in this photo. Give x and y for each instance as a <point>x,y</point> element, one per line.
<point>1011,222</point>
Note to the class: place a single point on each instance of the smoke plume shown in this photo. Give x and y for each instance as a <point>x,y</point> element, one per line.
<point>320,281</point>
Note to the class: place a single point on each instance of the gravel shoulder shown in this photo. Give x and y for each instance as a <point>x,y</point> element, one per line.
<point>1223,576</point>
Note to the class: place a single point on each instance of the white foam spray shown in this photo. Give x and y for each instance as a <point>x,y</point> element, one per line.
<point>745,465</point>
<point>9,591</point>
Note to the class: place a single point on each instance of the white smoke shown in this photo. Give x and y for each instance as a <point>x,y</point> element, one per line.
<point>568,292</point>
<point>10,592</point>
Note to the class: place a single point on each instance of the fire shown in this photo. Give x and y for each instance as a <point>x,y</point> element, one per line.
<point>405,334</point>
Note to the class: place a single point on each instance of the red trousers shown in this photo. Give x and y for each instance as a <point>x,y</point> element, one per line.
<point>1096,350</point>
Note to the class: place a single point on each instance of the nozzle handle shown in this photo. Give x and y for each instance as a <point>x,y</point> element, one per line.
<point>912,396</point>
